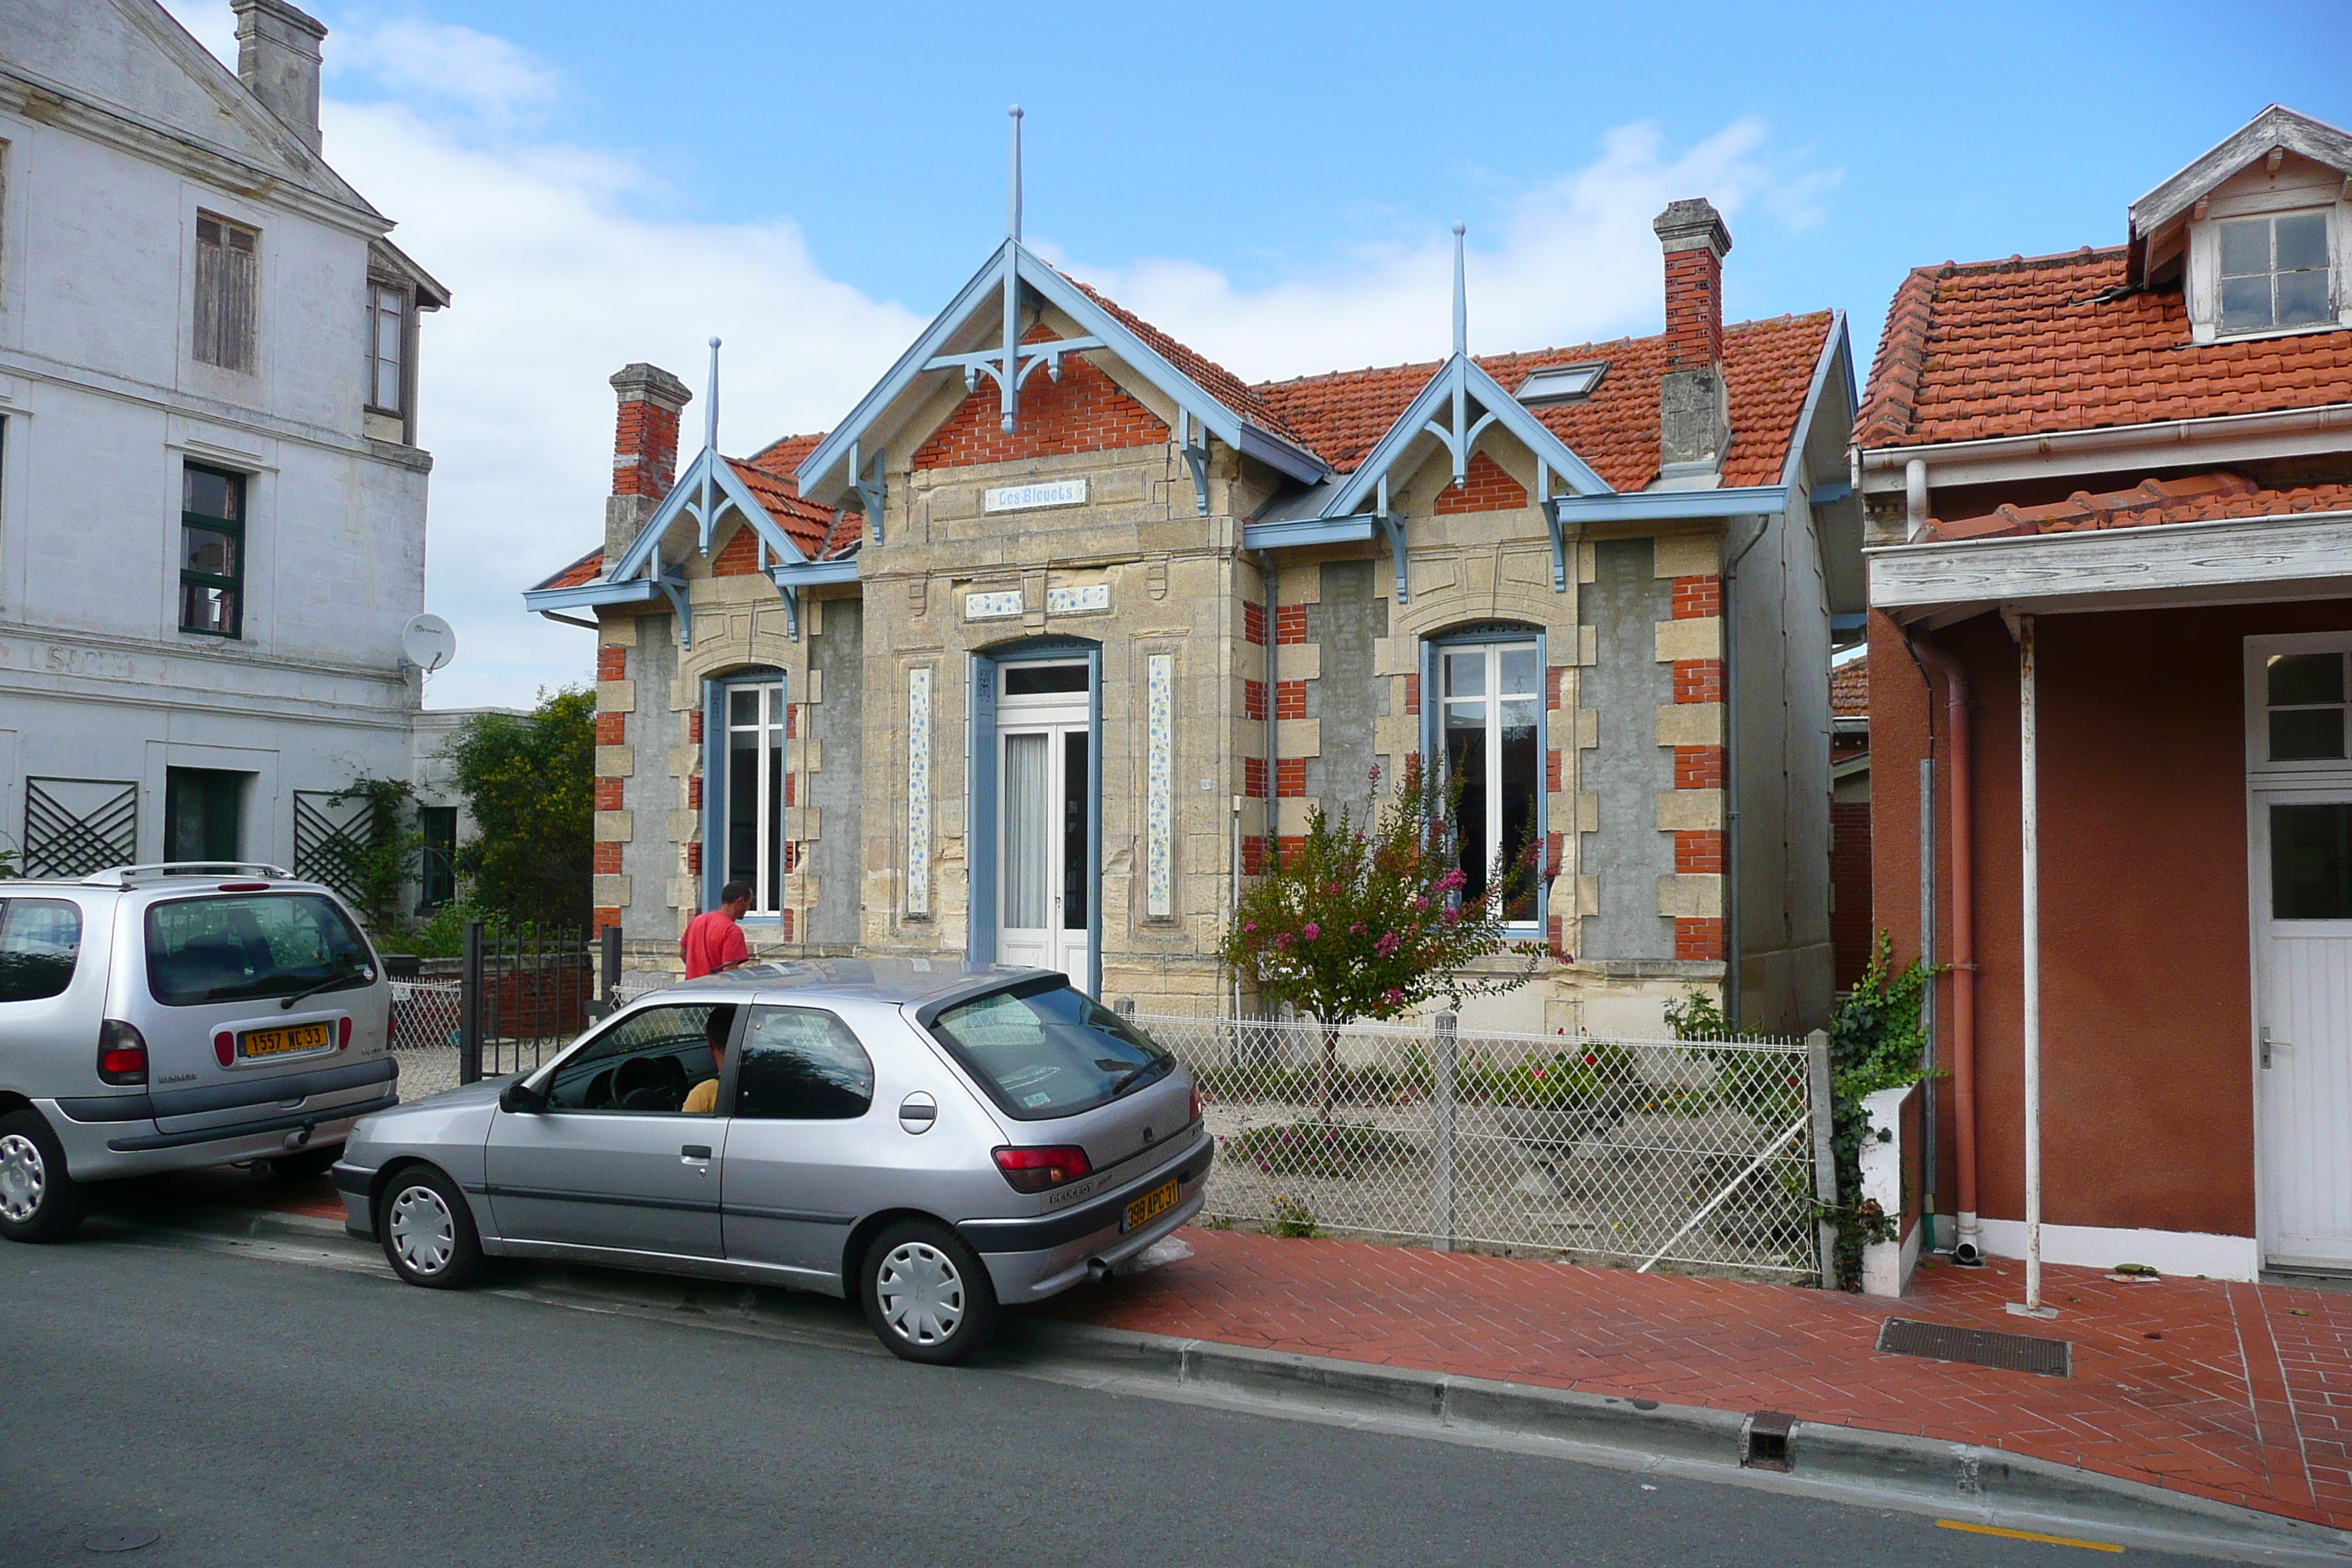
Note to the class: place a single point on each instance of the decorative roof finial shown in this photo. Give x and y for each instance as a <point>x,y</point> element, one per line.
<point>1013,189</point>
<point>1461,297</point>
<point>710,409</point>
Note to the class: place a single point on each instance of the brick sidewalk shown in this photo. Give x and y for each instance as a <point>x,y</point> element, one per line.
<point>2235,1393</point>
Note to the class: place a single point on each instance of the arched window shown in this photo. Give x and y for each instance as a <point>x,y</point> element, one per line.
<point>1488,724</point>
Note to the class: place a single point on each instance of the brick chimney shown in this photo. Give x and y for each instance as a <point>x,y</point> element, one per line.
<point>644,451</point>
<point>278,60</point>
<point>1694,409</point>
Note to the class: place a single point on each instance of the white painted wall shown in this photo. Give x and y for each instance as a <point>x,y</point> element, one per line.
<point>119,130</point>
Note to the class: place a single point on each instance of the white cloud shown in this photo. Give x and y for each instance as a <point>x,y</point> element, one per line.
<point>1575,260</point>
<point>450,68</point>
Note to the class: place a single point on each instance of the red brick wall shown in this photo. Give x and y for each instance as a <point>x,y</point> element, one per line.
<point>606,916</point>
<point>1694,309</point>
<point>612,664</point>
<point>608,859</point>
<point>1253,856</point>
<point>1484,488</point>
<point>1253,699</point>
<point>1697,597</point>
<point>1253,621</point>
<point>740,556</point>
<point>1290,623</point>
<point>644,451</point>
<point>608,794</point>
<point>1551,686</point>
<point>1082,412</point>
<point>1698,681</point>
<point>1412,694</point>
<point>1552,773</point>
<point>1699,767</point>
<point>1698,937</point>
<point>611,728</point>
<point>1698,854</point>
<point>1290,699</point>
<point>1290,777</point>
<point>1254,777</point>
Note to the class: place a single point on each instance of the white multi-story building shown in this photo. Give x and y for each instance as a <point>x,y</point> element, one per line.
<point>212,502</point>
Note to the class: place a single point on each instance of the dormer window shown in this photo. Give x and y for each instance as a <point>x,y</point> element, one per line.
<point>1562,383</point>
<point>2274,272</point>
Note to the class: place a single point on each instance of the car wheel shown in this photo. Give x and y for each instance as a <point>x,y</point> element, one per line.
<point>305,1164</point>
<point>926,1294</point>
<point>38,1201</point>
<point>429,1232</point>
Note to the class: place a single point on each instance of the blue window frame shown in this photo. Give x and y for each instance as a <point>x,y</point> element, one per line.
<point>1483,726</point>
<point>980,839</point>
<point>744,818</point>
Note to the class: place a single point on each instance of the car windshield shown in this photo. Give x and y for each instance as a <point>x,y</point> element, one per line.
<point>1042,1050</point>
<point>239,949</point>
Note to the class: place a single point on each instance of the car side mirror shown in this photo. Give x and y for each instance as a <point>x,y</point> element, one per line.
<point>519,1098</point>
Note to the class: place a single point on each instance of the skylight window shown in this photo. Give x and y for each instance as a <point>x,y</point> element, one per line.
<point>2274,272</point>
<point>1563,382</point>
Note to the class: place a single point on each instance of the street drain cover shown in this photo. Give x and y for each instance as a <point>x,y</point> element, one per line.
<point>1978,1347</point>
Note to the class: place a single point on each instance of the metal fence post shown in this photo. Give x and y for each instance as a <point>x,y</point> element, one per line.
<point>470,1007</point>
<point>1442,1101</point>
<point>1825,1184</point>
<point>610,968</point>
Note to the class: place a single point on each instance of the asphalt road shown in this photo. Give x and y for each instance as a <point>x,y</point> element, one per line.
<point>255,1412</point>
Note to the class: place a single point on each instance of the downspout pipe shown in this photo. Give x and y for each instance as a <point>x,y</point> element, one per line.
<point>1968,1248</point>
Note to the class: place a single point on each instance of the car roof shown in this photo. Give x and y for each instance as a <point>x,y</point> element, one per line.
<point>906,981</point>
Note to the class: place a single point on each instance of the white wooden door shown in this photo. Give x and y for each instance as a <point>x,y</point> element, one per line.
<point>2302,909</point>
<point>1045,888</point>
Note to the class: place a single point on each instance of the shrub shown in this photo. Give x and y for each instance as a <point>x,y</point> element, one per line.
<point>1321,1148</point>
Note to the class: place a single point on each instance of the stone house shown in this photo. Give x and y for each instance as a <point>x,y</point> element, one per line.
<point>1038,668</point>
<point>212,501</point>
<point>2110,511</point>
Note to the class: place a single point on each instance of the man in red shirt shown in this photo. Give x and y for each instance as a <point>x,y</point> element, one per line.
<point>714,942</point>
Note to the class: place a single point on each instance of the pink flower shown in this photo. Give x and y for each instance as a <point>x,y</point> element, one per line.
<point>1359,928</point>
<point>1420,904</point>
<point>1388,944</point>
<point>1393,996</point>
<point>1281,940</point>
<point>1591,1060</point>
<point>1311,931</point>
<point>1250,928</point>
<point>1453,917</point>
<point>1540,1073</point>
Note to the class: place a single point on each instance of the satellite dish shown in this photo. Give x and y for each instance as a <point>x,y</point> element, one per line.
<point>429,642</point>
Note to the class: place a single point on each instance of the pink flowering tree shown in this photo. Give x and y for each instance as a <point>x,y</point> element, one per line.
<point>1368,918</point>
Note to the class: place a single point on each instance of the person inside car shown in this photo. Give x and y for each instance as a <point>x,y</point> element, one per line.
<point>702,1099</point>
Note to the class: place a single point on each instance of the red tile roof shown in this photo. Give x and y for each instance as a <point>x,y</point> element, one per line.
<point>1849,688</point>
<point>2201,498</point>
<point>1200,370</point>
<point>2051,343</point>
<point>587,569</point>
<point>1767,364</point>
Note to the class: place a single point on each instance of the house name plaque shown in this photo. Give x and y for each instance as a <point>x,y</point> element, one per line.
<point>1029,498</point>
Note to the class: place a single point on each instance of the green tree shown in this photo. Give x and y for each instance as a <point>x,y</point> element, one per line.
<point>381,870</point>
<point>1368,918</point>
<point>530,779</point>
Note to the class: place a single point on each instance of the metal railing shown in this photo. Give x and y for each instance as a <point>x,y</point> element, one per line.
<point>1640,1151</point>
<point>525,992</point>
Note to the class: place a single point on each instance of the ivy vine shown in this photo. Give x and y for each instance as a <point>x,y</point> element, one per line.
<point>1877,1041</point>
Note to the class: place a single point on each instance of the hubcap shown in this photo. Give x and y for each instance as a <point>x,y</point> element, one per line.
<point>24,1177</point>
<point>424,1232</point>
<point>921,1293</point>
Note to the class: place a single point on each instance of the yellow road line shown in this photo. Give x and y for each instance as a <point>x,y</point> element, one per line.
<point>2026,1535</point>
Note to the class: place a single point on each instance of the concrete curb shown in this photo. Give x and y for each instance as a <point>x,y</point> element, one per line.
<point>1960,1480</point>
<point>1847,1464</point>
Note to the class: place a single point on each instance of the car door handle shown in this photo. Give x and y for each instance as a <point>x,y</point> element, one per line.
<point>695,1152</point>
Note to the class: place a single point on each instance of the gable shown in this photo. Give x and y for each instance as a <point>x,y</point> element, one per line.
<point>1085,411</point>
<point>131,60</point>
<point>1484,488</point>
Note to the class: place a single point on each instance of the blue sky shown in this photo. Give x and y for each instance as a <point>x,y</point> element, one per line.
<point>1273,182</point>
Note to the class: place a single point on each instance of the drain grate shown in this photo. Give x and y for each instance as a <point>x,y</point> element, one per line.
<point>1978,1347</point>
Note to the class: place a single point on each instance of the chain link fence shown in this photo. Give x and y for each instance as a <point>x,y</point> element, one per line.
<point>1604,1150</point>
<point>425,1019</point>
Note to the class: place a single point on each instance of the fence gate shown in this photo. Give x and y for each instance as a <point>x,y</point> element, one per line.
<point>1608,1150</point>
<point>524,994</point>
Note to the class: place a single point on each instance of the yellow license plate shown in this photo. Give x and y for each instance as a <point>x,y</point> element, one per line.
<point>1150,1206</point>
<point>279,1042</point>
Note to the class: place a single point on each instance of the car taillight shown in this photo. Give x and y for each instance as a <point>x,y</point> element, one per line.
<point>121,1054</point>
<point>344,1032</point>
<point>1036,1170</point>
<point>1196,1103</point>
<point>223,1048</point>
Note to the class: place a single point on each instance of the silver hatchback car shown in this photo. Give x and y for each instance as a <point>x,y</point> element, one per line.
<point>932,1139</point>
<point>159,1017</point>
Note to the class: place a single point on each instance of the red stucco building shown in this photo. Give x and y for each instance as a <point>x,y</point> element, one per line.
<point>2110,518</point>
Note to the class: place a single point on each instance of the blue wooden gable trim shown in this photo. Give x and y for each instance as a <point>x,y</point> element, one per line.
<point>825,466</point>
<point>1461,375</point>
<point>685,500</point>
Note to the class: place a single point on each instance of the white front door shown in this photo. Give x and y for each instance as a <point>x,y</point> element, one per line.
<point>1046,889</point>
<point>2303,921</point>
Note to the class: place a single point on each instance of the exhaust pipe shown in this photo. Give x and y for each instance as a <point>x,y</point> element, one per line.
<point>1098,1270</point>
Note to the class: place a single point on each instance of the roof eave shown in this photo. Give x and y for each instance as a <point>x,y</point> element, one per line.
<point>2275,126</point>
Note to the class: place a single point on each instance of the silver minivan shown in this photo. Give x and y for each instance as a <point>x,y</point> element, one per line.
<point>162,1017</point>
<point>926,1139</point>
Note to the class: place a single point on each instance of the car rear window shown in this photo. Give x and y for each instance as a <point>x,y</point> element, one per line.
<point>39,941</point>
<point>238,949</point>
<point>1042,1050</point>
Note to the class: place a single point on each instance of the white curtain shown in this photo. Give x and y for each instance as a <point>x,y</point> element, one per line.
<point>1026,821</point>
